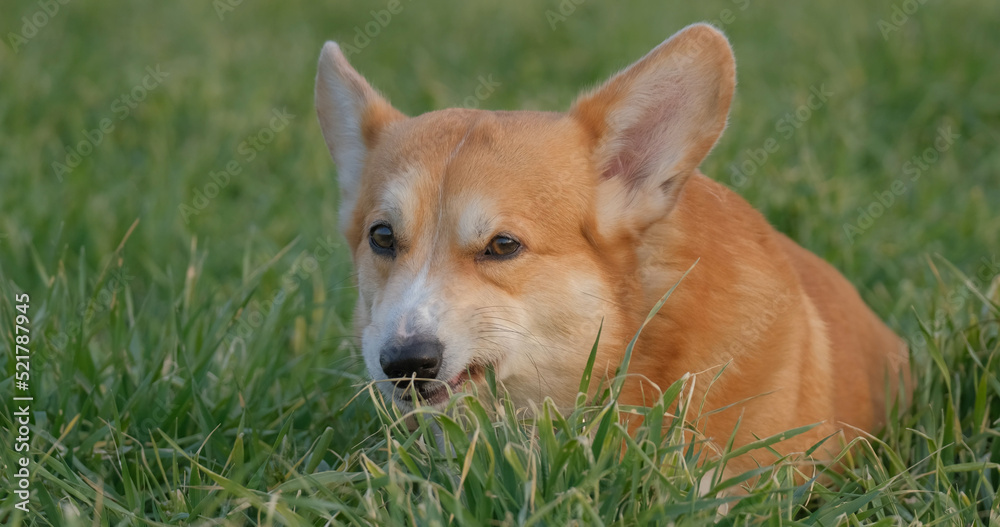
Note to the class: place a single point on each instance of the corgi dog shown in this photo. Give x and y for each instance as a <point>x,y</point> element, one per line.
<point>506,239</point>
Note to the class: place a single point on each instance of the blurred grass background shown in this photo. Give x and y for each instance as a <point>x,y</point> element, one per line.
<point>162,337</point>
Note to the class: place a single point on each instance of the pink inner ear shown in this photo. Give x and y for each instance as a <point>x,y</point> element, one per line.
<point>641,147</point>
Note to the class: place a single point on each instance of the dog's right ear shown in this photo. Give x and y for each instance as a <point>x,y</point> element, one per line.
<point>352,115</point>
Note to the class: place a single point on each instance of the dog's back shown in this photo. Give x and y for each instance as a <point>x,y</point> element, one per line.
<point>798,344</point>
<point>859,341</point>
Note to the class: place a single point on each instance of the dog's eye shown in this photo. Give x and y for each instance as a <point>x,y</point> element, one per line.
<point>501,246</point>
<point>381,239</point>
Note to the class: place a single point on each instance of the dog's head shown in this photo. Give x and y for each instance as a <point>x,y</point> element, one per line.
<point>505,239</point>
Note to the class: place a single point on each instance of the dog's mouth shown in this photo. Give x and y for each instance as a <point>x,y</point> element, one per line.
<point>434,392</point>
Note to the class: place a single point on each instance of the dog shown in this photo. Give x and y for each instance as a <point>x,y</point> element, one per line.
<point>506,240</point>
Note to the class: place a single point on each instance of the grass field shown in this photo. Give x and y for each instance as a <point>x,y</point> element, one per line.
<point>169,206</point>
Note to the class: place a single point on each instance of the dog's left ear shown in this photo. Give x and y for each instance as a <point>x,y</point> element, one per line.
<point>352,115</point>
<point>654,123</point>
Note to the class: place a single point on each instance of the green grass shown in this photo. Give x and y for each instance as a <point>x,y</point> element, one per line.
<point>170,388</point>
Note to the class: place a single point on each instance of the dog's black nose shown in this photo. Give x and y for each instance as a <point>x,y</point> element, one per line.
<point>418,357</point>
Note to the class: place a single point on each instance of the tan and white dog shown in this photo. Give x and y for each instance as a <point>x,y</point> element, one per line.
<point>504,239</point>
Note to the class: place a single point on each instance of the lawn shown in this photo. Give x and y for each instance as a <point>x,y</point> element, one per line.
<point>168,206</point>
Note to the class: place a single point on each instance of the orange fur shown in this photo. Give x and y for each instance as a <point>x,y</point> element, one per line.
<point>609,209</point>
